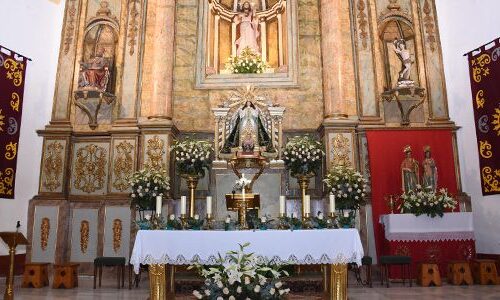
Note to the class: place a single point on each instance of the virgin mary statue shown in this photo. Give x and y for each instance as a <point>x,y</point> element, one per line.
<point>247,131</point>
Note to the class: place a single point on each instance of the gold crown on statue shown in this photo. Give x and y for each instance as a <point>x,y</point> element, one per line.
<point>407,148</point>
<point>427,148</point>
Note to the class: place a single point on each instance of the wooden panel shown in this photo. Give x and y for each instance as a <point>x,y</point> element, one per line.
<point>272,43</point>
<point>224,42</point>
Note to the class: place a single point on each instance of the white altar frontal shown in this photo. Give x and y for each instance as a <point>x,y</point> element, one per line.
<point>333,247</point>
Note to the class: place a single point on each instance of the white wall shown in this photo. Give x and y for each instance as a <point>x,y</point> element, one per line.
<point>31,28</point>
<point>466,25</point>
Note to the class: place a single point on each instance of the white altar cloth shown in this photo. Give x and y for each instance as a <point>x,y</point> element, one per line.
<point>408,227</point>
<point>326,246</point>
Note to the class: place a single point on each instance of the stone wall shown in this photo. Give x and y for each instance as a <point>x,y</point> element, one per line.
<point>304,104</point>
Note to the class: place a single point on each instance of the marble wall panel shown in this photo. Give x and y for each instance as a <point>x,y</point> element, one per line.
<point>89,170</point>
<point>44,236</point>
<point>117,231</point>
<point>84,234</point>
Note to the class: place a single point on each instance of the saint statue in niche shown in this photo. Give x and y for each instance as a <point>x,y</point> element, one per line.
<point>404,55</point>
<point>249,29</point>
<point>247,131</point>
<point>94,74</point>
<point>409,171</point>
<point>429,176</point>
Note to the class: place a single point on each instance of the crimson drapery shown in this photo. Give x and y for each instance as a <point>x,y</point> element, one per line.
<point>12,76</point>
<point>385,150</point>
<point>484,68</point>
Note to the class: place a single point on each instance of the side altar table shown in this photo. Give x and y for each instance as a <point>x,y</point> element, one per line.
<point>437,240</point>
<point>333,247</point>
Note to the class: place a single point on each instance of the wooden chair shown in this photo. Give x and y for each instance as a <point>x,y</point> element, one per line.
<point>484,271</point>
<point>35,275</point>
<point>428,274</point>
<point>459,273</point>
<point>395,260</point>
<point>118,262</point>
<point>65,276</point>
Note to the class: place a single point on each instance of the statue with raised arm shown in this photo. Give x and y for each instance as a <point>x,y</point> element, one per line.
<point>248,29</point>
<point>404,55</point>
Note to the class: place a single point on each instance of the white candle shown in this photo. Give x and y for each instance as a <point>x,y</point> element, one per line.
<point>158,205</point>
<point>282,205</point>
<point>183,205</point>
<point>209,205</point>
<point>332,203</point>
<point>307,204</point>
<point>346,214</point>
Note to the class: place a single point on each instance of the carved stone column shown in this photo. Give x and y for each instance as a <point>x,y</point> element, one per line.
<point>339,91</point>
<point>158,60</point>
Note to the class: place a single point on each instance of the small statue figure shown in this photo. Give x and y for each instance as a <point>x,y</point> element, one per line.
<point>404,55</point>
<point>247,131</point>
<point>95,74</point>
<point>409,171</point>
<point>249,32</point>
<point>429,176</point>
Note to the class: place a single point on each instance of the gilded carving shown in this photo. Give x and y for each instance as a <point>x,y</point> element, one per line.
<point>496,120</point>
<point>429,25</point>
<point>6,181</point>
<point>133,25</point>
<point>52,166</point>
<point>491,179</point>
<point>341,151</point>
<point>10,151</point>
<point>15,71</point>
<point>155,150</point>
<point>485,149</point>
<point>84,235</point>
<point>70,25</point>
<point>90,168</point>
<point>2,118</point>
<point>479,69</point>
<point>123,165</point>
<point>363,22</point>
<point>14,103</point>
<point>117,234</point>
<point>44,233</point>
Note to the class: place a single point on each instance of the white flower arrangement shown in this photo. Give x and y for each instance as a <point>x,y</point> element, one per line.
<point>427,201</point>
<point>303,155</point>
<point>147,185</point>
<point>192,156</point>
<point>348,186</point>
<point>241,276</point>
<point>247,62</point>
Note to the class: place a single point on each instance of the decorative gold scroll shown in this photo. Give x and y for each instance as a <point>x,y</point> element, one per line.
<point>44,233</point>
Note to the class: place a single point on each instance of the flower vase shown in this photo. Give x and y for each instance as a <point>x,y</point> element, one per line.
<point>303,180</point>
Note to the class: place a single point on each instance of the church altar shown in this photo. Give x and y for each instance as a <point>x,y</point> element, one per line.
<point>334,247</point>
<point>438,240</point>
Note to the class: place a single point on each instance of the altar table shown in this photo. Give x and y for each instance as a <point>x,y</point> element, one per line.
<point>437,240</point>
<point>333,247</point>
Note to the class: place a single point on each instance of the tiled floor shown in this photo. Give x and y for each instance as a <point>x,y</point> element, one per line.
<point>109,291</point>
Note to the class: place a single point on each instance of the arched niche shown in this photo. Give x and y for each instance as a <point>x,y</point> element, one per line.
<point>391,28</point>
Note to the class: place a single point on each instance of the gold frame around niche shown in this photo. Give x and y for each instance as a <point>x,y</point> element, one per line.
<point>266,80</point>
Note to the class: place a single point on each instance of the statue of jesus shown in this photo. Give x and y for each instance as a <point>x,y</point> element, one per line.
<point>249,32</point>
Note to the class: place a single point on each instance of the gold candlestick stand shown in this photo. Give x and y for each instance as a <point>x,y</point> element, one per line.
<point>12,239</point>
<point>303,181</point>
<point>210,222</point>
<point>192,183</point>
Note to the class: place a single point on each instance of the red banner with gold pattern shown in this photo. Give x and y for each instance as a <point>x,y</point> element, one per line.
<point>484,65</point>
<point>12,75</point>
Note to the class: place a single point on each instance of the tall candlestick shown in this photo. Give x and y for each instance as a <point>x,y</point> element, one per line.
<point>282,205</point>
<point>307,204</point>
<point>332,203</point>
<point>183,205</point>
<point>209,205</point>
<point>158,205</point>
